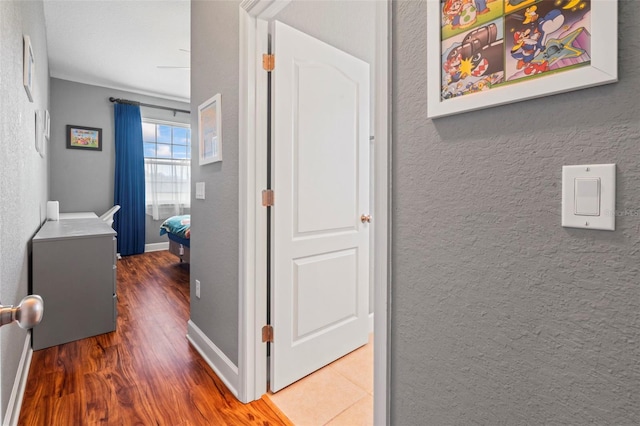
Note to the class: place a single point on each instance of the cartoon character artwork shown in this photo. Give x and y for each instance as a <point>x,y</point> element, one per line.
<point>485,44</point>
<point>460,15</point>
<point>468,15</point>
<point>512,5</point>
<point>547,38</point>
<point>529,41</point>
<point>452,64</point>
<point>471,58</point>
<point>451,13</point>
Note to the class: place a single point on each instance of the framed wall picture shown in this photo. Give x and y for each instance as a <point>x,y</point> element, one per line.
<point>80,137</point>
<point>484,53</point>
<point>28,67</point>
<point>210,130</point>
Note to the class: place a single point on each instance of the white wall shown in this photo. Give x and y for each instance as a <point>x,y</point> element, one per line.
<point>23,173</point>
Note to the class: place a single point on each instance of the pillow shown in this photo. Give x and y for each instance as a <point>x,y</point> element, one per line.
<point>177,225</point>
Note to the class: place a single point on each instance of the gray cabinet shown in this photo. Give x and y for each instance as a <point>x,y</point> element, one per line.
<point>74,270</point>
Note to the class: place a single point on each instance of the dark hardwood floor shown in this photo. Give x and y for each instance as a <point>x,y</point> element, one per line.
<point>143,373</point>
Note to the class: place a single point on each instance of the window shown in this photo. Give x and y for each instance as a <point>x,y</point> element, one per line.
<point>167,168</point>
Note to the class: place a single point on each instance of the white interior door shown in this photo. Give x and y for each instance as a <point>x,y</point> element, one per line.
<point>320,246</point>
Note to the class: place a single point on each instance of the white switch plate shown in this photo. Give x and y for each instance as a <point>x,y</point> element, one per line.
<point>199,190</point>
<point>605,218</point>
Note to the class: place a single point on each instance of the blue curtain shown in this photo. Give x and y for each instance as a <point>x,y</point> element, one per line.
<point>129,191</point>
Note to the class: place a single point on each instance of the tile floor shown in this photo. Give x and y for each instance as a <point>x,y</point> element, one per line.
<point>339,394</point>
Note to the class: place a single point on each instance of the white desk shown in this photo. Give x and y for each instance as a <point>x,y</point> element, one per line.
<point>74,270</point>
<point>78,215</point>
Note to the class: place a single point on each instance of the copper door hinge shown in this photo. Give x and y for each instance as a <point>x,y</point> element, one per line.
<point>268,62</point>
<point>267,197</point>
<point>267,333</point>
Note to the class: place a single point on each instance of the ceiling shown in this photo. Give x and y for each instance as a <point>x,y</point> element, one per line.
<point>121,44</point>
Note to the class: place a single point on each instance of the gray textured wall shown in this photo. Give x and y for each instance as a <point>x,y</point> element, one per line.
<point>214,64</point>
<point>23,173</point>
<point>214,220</point>
<point>83,180</point>
<point>500,315</point>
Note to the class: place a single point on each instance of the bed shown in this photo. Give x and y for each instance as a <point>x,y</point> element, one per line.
<point>178,229</point>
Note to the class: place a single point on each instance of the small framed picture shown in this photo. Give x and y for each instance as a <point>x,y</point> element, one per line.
<point>210,131</point>
<point>80,137</point>
<point>28,67</point>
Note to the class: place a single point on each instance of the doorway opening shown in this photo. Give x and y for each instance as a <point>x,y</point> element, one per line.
<point>252,365</point>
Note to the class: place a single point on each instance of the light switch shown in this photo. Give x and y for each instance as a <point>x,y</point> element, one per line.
<point>587,196</point>
<point>199,190</point>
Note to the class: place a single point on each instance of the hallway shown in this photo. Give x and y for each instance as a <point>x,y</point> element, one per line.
<point>143,373</point>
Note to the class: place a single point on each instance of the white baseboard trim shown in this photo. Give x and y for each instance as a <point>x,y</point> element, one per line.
<point>17,393</point>
<point>217,360</point>
<point>156,247</point>
<point>371,322</point>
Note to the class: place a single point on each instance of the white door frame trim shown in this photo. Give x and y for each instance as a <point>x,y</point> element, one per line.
<point>382,217</point>
<point>252,360</point>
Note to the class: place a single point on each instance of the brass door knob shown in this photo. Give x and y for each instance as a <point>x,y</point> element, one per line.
<point>365,218</point>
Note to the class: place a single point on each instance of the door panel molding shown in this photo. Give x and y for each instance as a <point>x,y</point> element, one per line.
<point>306,323</point>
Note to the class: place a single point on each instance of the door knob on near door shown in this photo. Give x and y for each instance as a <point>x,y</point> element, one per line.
<point>365,218</point>
<point>27,314</point>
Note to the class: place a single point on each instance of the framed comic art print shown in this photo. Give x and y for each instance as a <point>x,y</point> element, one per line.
<point>484,53</point>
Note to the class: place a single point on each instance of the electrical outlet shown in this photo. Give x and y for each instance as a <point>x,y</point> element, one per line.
<point>198,289</point>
